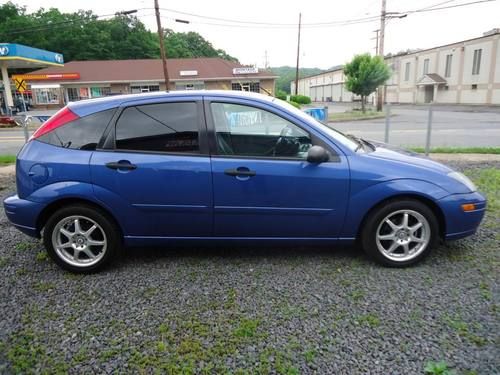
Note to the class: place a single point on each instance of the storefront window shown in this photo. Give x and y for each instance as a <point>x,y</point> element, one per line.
<point>84,93</point>
<point>246,86</point>
<point>190,86</point>
<point>144,88</point>
<point>72,93</point>
<point>99,91</point>
<point>46,95</point>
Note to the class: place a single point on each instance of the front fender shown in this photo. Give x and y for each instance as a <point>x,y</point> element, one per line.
<point>362,201</point>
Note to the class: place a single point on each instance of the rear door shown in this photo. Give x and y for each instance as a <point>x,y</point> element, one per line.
<point>154,169</point>
<point>263,185</point>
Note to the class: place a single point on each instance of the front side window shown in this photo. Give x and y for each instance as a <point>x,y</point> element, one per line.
<point>248,131</point>
<point>163,127</point>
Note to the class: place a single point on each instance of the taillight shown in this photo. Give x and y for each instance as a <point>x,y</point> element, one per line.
<point>62,117</point>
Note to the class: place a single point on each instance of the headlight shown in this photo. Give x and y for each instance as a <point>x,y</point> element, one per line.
<point>460,177</point>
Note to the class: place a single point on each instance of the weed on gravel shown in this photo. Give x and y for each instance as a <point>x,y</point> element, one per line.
<point>255,310</point>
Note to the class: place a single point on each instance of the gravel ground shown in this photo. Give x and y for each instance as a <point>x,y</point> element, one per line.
<point>245,310</point>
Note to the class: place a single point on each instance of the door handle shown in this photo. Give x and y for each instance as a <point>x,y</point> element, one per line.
<point>240,172</point>
<point>122,164</point>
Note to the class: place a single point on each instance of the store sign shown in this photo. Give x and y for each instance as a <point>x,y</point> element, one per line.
<point>188,72</point>
<point>47,77</point>
<point>4,50</point>
<point>245,70</point>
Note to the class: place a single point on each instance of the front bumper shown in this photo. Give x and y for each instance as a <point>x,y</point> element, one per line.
<point>23,214</point>
<point>460,224</point>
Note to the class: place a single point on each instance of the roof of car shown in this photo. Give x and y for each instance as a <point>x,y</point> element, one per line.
<point>86,107</point>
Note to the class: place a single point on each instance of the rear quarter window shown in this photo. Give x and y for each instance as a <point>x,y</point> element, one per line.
<point>81,134</point>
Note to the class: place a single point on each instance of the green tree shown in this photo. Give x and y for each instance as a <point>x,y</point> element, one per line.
<point>364,74</point>
<point>83,35</point>
<point>287,75</point>
<point>191,44</point>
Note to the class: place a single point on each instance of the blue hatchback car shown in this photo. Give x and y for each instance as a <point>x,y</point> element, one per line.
<point>153,169</point>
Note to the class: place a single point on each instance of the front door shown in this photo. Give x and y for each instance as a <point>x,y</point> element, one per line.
<point>263,185</point>
<point>157,176</point>
<point>429,94</point>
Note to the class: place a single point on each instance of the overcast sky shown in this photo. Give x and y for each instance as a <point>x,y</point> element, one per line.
<point>321,47</point>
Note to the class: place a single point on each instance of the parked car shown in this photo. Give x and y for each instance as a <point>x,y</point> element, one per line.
<point>159,168</point>
<point>7,122</point>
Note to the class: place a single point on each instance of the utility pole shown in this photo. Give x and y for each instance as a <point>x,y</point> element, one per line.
<point>298,54</point>
<point>376,40</point>
<point>266,60</point>
<point>162,46</point>
<point>380,93</point>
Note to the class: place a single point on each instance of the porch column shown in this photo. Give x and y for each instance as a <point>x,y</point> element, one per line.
<point>434,96</point>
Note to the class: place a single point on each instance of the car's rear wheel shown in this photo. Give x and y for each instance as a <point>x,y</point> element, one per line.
<point>81,238</point>
<point>400,233</point>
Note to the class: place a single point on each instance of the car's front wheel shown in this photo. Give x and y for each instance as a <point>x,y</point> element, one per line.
<point>81,238</point>
<point>400,233</point>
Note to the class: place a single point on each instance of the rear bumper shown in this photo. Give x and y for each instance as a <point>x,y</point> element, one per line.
<point>460,224</point>
<point>23,214</point>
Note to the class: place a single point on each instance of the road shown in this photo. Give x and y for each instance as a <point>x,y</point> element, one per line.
<point>452,126</point>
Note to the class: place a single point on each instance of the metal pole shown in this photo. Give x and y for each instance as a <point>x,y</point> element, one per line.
<point>25,121</point>
<point>387,122</point>
<point>298,55</point>
<point>380,93</point>
<point>162,46</point>
<point>429,129</point>
<point>9,103</point>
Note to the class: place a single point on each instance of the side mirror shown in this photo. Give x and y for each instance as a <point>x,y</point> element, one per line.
<point>317,154</point>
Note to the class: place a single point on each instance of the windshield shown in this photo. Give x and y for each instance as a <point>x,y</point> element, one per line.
<point>350,143</point>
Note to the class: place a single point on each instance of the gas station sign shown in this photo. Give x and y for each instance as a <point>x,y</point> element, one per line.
<point>46,77</point>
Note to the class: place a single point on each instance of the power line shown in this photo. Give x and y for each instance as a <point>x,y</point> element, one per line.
<point>243,22</point>
<point>281,27</point>
<point>447,7</point>
<point>438,4</point>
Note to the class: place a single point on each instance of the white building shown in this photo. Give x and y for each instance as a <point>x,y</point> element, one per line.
<point>466,72</point>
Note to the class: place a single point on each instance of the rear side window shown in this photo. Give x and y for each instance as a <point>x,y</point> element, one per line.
<point>164,127</point>
<point>81,134</point>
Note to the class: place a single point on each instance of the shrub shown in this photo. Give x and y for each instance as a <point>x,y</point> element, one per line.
<point>280,94</point>
<point>301,99</point>
<point>295,104</point>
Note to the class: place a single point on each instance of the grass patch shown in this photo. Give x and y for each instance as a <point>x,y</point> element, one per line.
<point>24,246</point>
<point>246,328</point>
<point>459,150</point>
<point>7,159</point>
<point>463,330</point>
<point>354,115</point>
<point>488,182</point>
<point>438,368</point>
<point>42,256</point>
<point>370,320</point>
<point>43,286</point>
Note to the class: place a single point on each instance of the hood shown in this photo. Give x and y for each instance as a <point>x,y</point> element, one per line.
<point>389,152</point>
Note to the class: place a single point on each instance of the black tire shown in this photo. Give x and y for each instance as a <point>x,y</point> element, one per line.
<point>375,218</point>
<point>106,225</point>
